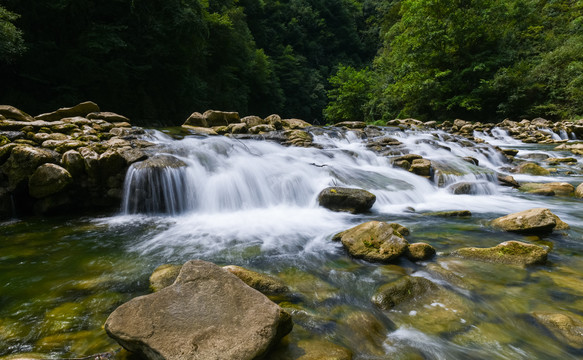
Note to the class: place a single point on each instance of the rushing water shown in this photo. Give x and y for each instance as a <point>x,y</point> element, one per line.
<point>254,203</point>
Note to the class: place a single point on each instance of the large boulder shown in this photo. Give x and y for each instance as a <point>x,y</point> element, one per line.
<point>509,252</point>
<point>48,179</point>
<point>346,199</point>
<point>196,119</point>
<point>81,109</point>
<point>23,161</point>
<point>537,220</point>
<point>10,112</point>
<point>208,313</point>
<point>221,118</point>
<point>373,241</point>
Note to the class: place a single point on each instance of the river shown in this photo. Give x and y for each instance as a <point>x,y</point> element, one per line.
<point>253,203</point>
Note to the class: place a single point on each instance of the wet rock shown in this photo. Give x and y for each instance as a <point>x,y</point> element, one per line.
<point>420,251</point>
<point>509,252</point>
<point>48,179</point>
<point>10,112</point>
<point>421,167</point>
<point>260,129</point>
<point>373,241</point>
<point>508,181</point>
<point>402,290</point>
<point>265,284</point>
<point>576,149</point>
<point>537,221</point>
<point>366,332</point>
<point>207,313</point>
<point>579,191</point>
<point>462,188</point>
<point>275,121</point>
<point>554,188</point>
<point>453,213</point>
<point>81,109</point>
<point>532,169</point>
<point>556,161</point>
<point>312,287</point>
<point>563,327</point>
<point>346,199</point>
<point>160,162</point>
<point>164,276</point>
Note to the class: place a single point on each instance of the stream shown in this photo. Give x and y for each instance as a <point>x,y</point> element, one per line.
<point>253,203</point>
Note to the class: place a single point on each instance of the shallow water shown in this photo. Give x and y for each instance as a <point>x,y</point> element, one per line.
<point>254,204</point>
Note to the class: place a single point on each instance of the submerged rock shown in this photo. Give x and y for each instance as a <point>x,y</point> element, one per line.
<point>265,284</point>
<point>346,199</point>
<point>208,313</point>
<point>452,213</point>
<point>402,290</point>
<point>537,220</point>
<point>163,276</point>
<point>509,252</point>
<point>373,241</point>
<point>563,327</point>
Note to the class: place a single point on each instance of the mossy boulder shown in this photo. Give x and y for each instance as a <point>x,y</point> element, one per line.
<point>163,276</point>
<point>402,290</point>
<point>532,169</point>
<point>373,241</point>
<point>532,221</point>
<point>265,284</point>
<point>509,252</point>
<point>564,327</point>
<point>48,179</point>
<point>556,188</point>
<point>451,213</point>
<point>420,251</point>
<point>346,199</point>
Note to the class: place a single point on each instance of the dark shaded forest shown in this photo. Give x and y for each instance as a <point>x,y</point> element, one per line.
<point>157,61</point>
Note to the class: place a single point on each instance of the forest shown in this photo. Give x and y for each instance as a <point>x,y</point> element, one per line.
<point>323,61</point>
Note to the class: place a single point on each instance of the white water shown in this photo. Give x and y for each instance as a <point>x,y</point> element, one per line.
<point>259,192</point>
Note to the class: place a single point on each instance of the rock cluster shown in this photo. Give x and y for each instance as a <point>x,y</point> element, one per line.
<point>64,160</point>
<point>286,131</point>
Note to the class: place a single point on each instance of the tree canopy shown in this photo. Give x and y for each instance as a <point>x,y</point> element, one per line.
<point>324,60</point>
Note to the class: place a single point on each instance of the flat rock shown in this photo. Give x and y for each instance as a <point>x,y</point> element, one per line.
<point>563,327</point>
<point>207,313</point>
<point>509,252</point>
<point>81,109</point>
<point>346,199</point>
<point>374,241</point>
<point>557,188</point>
<point>537,220</point>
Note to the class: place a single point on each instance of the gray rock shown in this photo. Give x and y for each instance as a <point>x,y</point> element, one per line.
<point>373,241</point>
<point>207,313</point>
<point>537,221</point>
<point>48,179</point>
<point>346,199</point>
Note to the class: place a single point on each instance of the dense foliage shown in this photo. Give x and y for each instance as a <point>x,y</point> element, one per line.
<point>473,59</point>
<point>323,60</point>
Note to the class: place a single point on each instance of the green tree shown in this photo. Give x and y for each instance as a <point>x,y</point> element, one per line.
<point>350,95</point>
<point>11,41</point>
